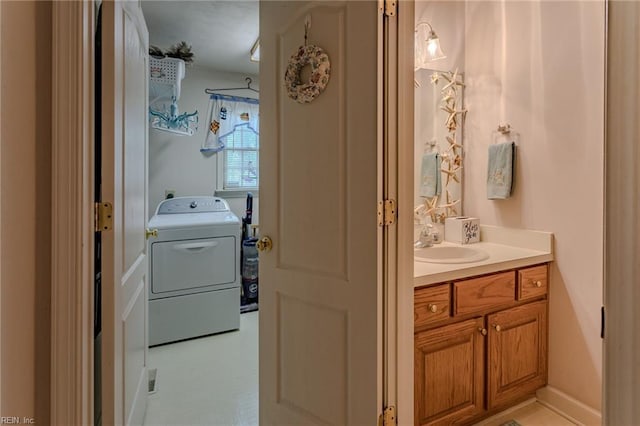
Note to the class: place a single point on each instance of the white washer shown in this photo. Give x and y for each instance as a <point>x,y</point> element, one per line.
<point>194,269</point>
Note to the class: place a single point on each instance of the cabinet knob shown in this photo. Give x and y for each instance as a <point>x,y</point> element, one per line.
<point>433,307</point>
<point>482,331</point>
<point>497,327</point>
<point>538,283</point>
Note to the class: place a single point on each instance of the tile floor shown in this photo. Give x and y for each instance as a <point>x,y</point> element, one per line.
<point>208,381</point>
<point>532,414</point>
<point>214,381</point>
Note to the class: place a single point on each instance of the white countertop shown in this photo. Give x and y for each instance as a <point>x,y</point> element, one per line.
<point>507,249</point>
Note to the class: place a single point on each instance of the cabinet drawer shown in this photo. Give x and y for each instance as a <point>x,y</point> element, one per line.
<point>431,304</point>
<point>532,282</point>
<point>478,295</point>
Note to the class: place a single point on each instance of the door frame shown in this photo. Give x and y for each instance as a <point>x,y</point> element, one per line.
<point>621,212</point>
<point>72,218</point>
<point>398,185</point>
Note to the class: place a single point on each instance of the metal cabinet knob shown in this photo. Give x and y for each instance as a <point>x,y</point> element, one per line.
<point>433,308</point>
<point>148,233</point>
<point>538,283</point>
<point>482,331</point>
<point>264,244</point>
<point>497,327</point>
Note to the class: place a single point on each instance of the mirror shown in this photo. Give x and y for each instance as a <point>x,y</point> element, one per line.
<point>439,128</point>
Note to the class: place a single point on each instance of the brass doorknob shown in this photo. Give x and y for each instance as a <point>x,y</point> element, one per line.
<point>433,308</point>
<point>264,244</point>
<point>148,233</point>
<point>482,331</point>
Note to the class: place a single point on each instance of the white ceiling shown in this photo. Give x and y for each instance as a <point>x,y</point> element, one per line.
<point>221,33</point>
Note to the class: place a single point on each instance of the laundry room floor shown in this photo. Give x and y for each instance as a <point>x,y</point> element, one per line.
<point>207,381</point>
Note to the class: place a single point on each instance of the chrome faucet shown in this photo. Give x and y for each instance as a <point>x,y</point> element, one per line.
<point>425,239</point>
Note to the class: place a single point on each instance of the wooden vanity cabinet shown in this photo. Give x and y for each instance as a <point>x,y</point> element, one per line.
<point>517,353</point>
<point>488,352</point>
<point>449,368</point>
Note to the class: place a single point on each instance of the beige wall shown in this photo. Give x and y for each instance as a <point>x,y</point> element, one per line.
<point>25,194</point>
<point>175,161</point>
<point>540,67</point>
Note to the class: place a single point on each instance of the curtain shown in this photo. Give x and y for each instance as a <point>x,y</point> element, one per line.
<point>225,113</point>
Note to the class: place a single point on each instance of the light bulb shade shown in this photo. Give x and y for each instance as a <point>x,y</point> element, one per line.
<point>427,47</point>
<point>255,52</point>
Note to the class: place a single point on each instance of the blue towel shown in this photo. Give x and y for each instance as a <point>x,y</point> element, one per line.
<point>501,170</point>
<point>431,181</point>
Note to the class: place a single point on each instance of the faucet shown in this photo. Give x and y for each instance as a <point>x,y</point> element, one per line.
<point>425,239</point>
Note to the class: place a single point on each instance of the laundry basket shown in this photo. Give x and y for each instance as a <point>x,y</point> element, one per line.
<point>165,77</point>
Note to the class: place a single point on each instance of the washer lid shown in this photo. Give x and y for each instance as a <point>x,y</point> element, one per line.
<point>191,220</point>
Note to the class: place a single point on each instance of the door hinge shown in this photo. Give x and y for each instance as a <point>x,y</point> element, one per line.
<point>602,322</point>
<point>388,417</point>
<point>386,212</point>
<point>390,7</point>
<point>103,215</point>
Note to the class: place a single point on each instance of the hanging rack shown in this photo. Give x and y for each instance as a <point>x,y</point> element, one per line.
<point>248,87</point>
<point>505,133</point>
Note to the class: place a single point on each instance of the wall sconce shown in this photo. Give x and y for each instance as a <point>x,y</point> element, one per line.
<point>427,46</point>
<point>255,52</point>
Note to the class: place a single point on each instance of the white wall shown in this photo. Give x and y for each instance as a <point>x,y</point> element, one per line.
<point>25,199</point>
<point>175,161</point>
<point>540,67</point>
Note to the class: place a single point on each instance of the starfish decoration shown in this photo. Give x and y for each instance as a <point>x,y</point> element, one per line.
<point>450,205</point>
<point>431,205</point>
<point>452,78</point>
<point>453,145</point>
<point>452,174</point>
<point>449,96</point>
<point>452,122</point>
<point>435,77</point>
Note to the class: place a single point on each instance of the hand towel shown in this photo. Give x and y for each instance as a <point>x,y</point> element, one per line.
<point>431,182</point>
<point>501,170</point>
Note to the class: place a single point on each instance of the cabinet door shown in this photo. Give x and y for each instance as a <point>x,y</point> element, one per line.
<point>517,363</point>
<point>449,373</point>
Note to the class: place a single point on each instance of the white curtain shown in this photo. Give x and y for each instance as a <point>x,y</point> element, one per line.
<point>225,114</point>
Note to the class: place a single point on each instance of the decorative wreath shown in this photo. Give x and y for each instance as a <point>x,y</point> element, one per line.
<point>320,72</point>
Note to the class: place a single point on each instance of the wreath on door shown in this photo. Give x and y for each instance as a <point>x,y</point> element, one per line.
<point>305,92</point>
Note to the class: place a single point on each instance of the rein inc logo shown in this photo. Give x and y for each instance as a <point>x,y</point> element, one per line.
<point>15,420</point>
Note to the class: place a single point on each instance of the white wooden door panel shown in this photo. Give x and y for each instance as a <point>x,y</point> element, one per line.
<point>319,285</point>
<point>124,184</point>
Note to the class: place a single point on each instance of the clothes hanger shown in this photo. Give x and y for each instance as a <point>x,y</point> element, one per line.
<point>248,87</point>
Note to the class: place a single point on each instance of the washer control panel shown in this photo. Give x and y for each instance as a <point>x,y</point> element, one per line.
<point>192,205</point>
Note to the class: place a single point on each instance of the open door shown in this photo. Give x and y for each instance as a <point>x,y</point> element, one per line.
<point>124,185</point>
<point>320,346</point>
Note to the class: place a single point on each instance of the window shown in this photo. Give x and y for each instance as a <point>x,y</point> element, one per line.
<point>240,159</point>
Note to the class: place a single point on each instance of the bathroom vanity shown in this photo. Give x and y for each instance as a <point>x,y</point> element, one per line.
<point>480,328</point>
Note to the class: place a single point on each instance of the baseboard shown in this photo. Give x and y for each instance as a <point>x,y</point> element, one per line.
<point>569,407</point>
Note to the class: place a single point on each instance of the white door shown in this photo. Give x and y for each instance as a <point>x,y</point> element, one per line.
<point>124,184</point>
<point>319,288</point>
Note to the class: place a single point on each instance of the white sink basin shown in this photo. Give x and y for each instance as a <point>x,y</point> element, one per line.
<point>449,254</point>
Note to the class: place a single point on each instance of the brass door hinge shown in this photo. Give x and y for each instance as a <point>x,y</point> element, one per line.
<point>388,417</point>
<point>103,216</point>
<point>390,7</point>
<point>386,212</point>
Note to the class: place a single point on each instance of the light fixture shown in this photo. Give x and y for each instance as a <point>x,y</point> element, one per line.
<point>427,46</point>
<point>255,52</point>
